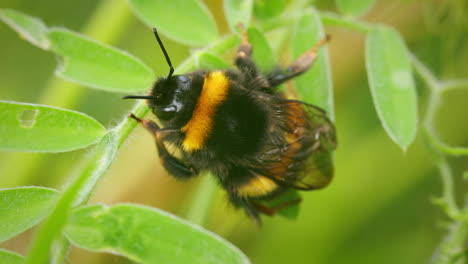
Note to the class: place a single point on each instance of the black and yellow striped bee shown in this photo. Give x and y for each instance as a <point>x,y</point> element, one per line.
<point>236,124</point>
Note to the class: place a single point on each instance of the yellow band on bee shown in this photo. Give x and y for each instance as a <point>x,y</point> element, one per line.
<point>197,129</point>
<point>257,187</point>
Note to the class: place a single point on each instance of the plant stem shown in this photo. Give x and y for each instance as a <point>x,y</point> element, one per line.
<point>452,248</point>
<point>202,200</point>
<point>454,84</point>
<point>448,191</point>
<point>426,75</point>
<point>436,88</point>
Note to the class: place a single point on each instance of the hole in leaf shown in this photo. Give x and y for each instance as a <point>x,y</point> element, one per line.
<point>27,118</point>
<point>402,79</point>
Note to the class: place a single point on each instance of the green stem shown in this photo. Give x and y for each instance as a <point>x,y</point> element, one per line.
<point>124,129</point>
<point>454,84</point>
<point>431,133</point>
<point>426,75</point>
<point>61,252</point>
<point>448,189</point>
<point>452,248</point>
<point>436,87</point>
<point>202,200</point>
<point>442,147</point>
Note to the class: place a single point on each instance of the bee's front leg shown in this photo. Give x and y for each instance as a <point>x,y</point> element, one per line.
<point>173,165</point>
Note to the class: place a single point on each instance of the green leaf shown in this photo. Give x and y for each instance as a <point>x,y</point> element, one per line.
<point>237,12</point>
<point>217,49</point>
<point>210,61</point>
<point>97,65</point>
<point>186,21</point>
<point>392,85</point>
<point>315,86</point>
<point>22,208</point>
<point>147,235</point>
<point>41,128</point>
<point>334,20</point>
<point>264,9</point>
<point>221,46</point>
<point>9,257</point>
<point>354,7</point>
<point>262,52</point>
<point>187,65</point>
<point>29,28</point>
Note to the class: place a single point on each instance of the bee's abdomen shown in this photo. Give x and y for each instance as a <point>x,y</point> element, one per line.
<point>240,126</point>
<point>244,183</point>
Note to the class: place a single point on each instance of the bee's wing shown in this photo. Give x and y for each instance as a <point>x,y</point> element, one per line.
<point>301,156</point>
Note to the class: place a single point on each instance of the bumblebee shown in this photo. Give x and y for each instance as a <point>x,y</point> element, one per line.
<point>236,124</point>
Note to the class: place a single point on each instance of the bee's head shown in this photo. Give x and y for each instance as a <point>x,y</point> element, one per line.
<point>170,95</point>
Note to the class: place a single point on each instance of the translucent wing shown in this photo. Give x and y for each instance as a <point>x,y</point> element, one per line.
<point>299,154</point>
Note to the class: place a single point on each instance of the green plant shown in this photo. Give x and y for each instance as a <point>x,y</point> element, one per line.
<point>146,234</point>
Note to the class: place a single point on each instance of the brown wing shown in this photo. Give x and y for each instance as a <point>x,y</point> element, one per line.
<point>299,154</point>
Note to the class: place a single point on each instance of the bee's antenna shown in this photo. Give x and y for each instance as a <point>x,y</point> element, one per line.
<point>171,69</point>
<point>138,97</point>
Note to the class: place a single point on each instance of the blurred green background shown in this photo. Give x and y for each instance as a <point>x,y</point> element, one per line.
<point>378,208</point>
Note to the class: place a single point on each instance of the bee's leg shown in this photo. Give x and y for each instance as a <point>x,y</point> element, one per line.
<point>242,58</point>
<point>173,165</point>
<point>270,211</point>
<point>250,209</point>
<point>264,209</point>
<point>235,178</point>
<point>301,65</point>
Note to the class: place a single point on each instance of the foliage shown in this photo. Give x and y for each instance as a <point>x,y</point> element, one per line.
<point>128,229</point>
